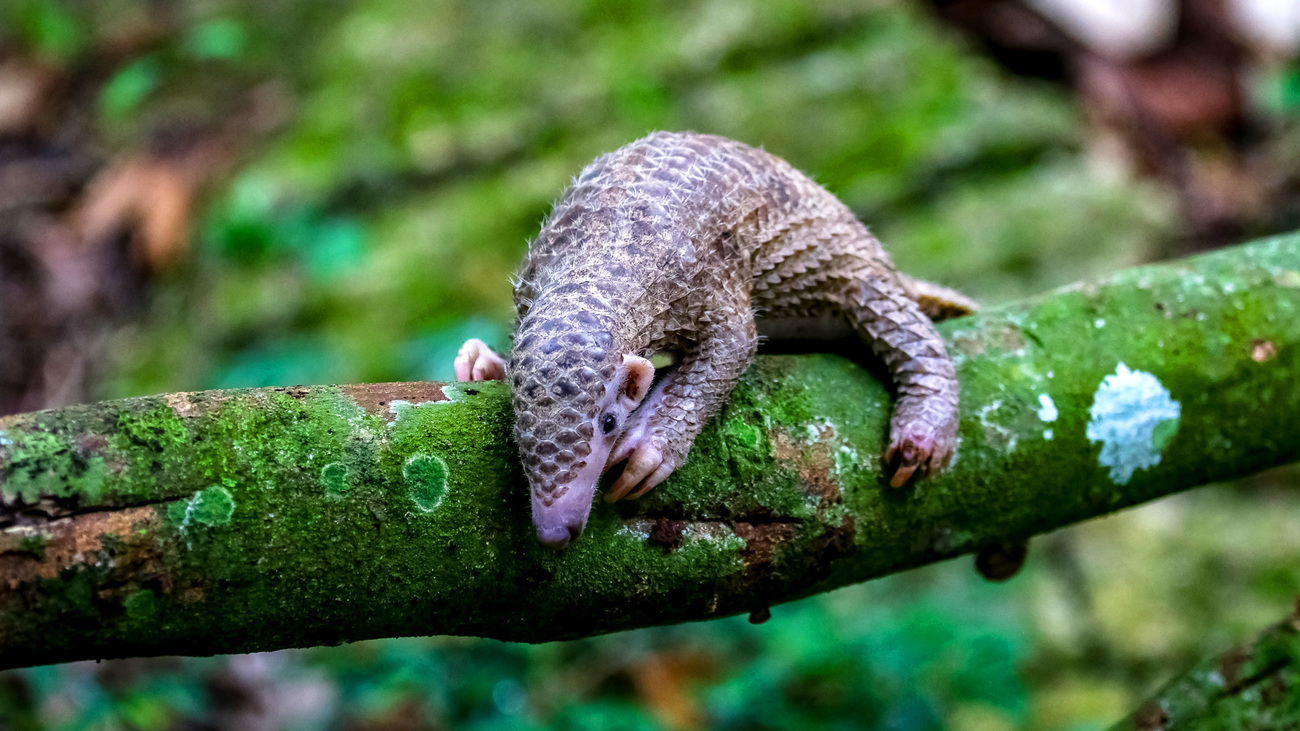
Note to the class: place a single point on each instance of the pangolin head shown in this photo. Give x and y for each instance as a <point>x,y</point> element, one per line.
<point>573,391</point>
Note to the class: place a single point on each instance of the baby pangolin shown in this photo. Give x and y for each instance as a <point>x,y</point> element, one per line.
<point>677,242</point>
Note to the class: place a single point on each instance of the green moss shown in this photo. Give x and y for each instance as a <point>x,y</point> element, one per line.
<point>93,480</point>
<point>744,435</point>
<point>39,462</point>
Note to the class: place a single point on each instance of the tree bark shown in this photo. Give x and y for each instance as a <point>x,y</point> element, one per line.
<point>234,521</point>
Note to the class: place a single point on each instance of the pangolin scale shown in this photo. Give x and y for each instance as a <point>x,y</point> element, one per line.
<point>678,242</point>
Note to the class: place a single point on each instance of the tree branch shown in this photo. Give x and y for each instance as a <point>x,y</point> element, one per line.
<point>1251,686</point>
<point>258,519</point>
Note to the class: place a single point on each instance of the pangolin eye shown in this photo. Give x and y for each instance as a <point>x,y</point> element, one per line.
<point>608,423</point>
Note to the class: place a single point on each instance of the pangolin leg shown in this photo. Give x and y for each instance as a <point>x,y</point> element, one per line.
<point>923,430</point>
<point>659,434</point>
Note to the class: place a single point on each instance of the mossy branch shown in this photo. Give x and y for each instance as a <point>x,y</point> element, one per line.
<point>257,519</point>
<point>1251,686</point>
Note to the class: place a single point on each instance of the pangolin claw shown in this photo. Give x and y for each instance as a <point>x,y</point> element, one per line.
<point>477,362</point>
<point>646,467</point>
<point>917,451</point>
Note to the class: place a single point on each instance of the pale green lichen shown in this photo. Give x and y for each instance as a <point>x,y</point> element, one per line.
<point>996,433</point>
<point>141,605</point>
<point>334,476</point>
<point>1134,418</point>
<point>426,480</point>
<point>212,507</point>
<point>847,460</point>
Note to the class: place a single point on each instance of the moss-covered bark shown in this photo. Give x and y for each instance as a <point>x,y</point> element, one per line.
<point>1254,687</point>
<point>258,519</point>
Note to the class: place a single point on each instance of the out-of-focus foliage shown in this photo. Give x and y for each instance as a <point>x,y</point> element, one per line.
<point>425,142</point>
<point>430,138</point>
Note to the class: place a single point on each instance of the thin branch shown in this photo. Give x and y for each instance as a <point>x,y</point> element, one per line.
<point>1252,686</point>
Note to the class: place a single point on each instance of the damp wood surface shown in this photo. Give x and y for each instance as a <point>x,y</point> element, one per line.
<point>258,519</point>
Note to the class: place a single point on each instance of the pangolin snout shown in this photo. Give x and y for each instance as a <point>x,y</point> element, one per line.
<point>561,516</point>
<point>559,535</point>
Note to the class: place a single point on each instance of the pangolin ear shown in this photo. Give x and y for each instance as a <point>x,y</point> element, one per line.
<point>639,375</point>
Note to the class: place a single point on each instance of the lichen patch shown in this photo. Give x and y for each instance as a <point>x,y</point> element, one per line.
<point>212,507</point>
<point>995,433</point>
<point>1047,408</point>
<point>847,460</point>
<point>334,476</point>
<point>426,480</point>
<point>399,408</point>
<point>1134,418</point>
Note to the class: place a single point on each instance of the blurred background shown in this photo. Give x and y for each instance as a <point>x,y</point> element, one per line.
<point>203,194</point>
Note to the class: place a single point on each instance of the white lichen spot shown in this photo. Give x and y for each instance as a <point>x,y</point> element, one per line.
<point>404,410</point>
<point>1099,323</point>
<point>847,459</point>
<point>820,429</point>
<point>455,392</point>
<point>994,430</point>
<point>636,530</point>
<point>397,406</point>
<point>715,534</point>
<point>1134,418</point>
<point>1047,409</point>
<point>985,410</point>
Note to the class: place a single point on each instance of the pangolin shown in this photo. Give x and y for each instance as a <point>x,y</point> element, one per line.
<point>677,243</point>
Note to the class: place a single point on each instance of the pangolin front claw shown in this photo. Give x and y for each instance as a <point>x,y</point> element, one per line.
<point>647,466</point>
<point>477,362</point>
<point>918,449</point>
